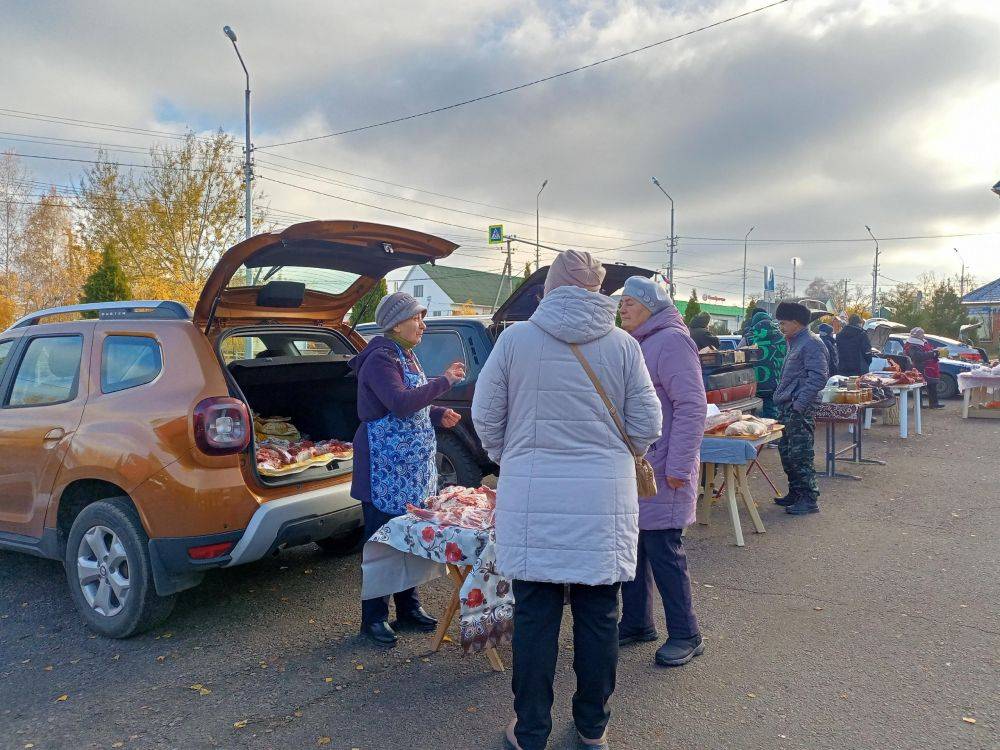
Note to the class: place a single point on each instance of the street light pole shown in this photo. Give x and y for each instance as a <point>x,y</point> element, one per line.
<point>874,274</point>
<point>538,197</point>
<point>961,282</point>
<point>247,148</point>
<point>746,239</point>
<point>673,238</point>
<point>795,276</point>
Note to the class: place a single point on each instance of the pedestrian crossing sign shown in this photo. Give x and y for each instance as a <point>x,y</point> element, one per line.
<point>496,234</point>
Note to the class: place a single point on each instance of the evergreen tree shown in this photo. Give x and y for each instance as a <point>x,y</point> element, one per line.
<point>364,309</point>
<point>107,283</point>
<point>693,308</point>
<point>944,314</point>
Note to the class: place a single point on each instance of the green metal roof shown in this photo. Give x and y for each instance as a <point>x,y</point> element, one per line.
<point>463,284</point>
<point>732,311</point>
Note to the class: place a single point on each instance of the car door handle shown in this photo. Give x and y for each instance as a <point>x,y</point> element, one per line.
<point>57,433</point>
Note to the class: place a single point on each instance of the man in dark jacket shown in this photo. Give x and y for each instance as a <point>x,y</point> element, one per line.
<point>700,333</point>
<point>826,335</point>
<point>805,373</point>
<point>854,348</point>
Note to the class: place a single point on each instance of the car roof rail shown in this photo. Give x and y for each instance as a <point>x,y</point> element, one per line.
<point>130,310</point>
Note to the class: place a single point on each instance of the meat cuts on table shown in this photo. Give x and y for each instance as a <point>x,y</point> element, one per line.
<point>458,506</point>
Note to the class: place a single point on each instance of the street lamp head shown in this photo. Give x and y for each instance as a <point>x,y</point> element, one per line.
<point>657,182</point>
<point>546,182</point>
<point>996,188</point>
<point>228,31</point>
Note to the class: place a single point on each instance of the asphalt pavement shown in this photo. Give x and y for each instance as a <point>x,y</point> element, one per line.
<point>874,624</point>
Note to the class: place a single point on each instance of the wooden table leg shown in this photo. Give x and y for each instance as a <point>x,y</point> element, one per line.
<point>457,579</point>
<point>741,477</point>
<point>734,509</point>
<point>494,658</point>
<point>706,494</point>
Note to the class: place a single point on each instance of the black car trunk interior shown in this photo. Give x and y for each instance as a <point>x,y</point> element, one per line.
<point>318,393</point>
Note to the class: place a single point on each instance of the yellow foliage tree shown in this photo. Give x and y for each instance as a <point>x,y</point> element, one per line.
<point>466,308</point>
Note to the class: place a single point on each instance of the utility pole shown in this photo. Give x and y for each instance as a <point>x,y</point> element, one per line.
<point>961,282</point>
<point>795,274</point>
<point>845,294</point>
<point>247,148</point>
<point>746,239</point>
<point>508,273</point>
<point>874,274</point>
<point>538,223</point>
<point>673,238</point>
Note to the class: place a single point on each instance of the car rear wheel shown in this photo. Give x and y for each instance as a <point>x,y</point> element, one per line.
<point>455,465</point>
<point>948,387</point>
<point>108,571</point>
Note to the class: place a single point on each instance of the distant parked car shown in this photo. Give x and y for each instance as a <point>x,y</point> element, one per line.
<point>729,342</point>
<point>950,368</point>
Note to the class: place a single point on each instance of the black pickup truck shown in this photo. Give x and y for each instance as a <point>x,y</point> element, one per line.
<point>461,459</point>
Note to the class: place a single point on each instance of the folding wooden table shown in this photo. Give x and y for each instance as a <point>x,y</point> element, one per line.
<point>458,574</point>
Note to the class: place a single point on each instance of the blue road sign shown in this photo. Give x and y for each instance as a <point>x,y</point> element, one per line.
<point>496,234</point>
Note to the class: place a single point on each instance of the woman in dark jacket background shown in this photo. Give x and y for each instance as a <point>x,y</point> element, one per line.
<point>854,348</point>
<point>826,336</point>
<point>925,358</point>
<point>700,333</point>
<point>395,446</point>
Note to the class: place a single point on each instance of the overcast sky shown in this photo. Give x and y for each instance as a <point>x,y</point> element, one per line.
<point>807,121</point>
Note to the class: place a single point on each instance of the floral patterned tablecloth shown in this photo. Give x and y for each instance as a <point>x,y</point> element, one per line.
<point>408,551</point>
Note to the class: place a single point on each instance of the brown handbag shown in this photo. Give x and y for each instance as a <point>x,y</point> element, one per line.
<point>645,479</point>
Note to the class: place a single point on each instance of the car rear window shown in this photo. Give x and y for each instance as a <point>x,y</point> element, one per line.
<point>128,362</point>
<point>49,371</point>
<point>5,349</point>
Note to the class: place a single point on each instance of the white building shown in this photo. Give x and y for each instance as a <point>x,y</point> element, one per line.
<point>455,291</point>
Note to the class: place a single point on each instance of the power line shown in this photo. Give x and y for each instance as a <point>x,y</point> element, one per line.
<point>528,84</point>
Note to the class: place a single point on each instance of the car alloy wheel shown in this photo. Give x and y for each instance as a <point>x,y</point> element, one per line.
<point>447,473</point>
<point>103,569</point>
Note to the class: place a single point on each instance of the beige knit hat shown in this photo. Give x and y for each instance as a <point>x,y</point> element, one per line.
<point>575,268</point>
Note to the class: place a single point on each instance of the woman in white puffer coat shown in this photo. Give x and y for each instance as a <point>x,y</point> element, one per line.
<point>567,505</point>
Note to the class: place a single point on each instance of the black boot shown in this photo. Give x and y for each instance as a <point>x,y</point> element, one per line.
<point>803,506</point>
<point>380,632</point>
<point>417,619</point>
<point>677,652</point>
<point>625,637</point>
<point>788,499</point>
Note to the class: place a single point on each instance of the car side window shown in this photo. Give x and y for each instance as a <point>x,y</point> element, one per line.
<point>128,362</point>
<point>49,372</point>
<point>438,350</point>
<point>893,347</point>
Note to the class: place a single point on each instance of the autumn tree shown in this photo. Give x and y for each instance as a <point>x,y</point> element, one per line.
<point>50,264</point>
<point>819,289</point>
<point>170,222</point>
<point>14,204</point>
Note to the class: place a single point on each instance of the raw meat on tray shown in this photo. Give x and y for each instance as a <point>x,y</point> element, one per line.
<point>458,506</point>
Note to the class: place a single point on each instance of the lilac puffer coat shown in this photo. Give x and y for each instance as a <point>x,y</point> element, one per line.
<point>672,359</point>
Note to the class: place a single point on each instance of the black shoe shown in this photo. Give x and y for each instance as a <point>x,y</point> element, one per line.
<point>677,652</point>
<point>786,500</point>
<point>417,619</point>
<point>803,507</point>
<point>936,406</point>
<point>380,633</point>
<point>625,637</point>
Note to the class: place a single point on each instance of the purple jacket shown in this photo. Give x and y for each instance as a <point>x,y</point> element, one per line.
<point>672,359</point>
<point>381,390</point>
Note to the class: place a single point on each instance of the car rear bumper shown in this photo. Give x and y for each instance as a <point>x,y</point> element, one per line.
<point>288,522</point>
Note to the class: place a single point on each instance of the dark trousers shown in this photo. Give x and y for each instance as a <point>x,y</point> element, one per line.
<point>662,561</point>
<point>769,410</point>
<point>538,611</point>
<point>376,610</point>
<point>798,450</point>
<point>932,391</point>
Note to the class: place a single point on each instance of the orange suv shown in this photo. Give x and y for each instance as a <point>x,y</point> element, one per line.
<point>127,442</point>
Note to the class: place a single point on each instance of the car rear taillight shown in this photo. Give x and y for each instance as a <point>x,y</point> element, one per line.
<point>209,551</point>
<point>970,356</point>
<point>221,426</point>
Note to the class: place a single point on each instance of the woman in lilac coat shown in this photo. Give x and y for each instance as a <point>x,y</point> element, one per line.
<point>672,359</point>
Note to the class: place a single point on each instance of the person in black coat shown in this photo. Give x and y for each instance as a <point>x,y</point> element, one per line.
<point>826,336</point>
<point>854,348</point>
<point>700,333</point>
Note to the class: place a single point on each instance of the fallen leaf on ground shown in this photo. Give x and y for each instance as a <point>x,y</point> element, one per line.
<point>377,691</point>
<point>117,744</point>
<point>360,667</point>
<point>307,571</point>
<point>323,741</point>
<point>843,696</point>
<point>240,724</point>
<point>327,679</point>
<point>472,709</point>
<point>62,698</point>
<point>818,609</point>
<point>447,639</point>
<point>297,714</point>
<point>751,695</point>
<point>161,658</point>
<point>968,720</point>
<point>312,621</point>
<point>48,669</point>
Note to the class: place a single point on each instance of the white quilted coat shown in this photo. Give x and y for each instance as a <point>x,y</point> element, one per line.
<point>567,508</point>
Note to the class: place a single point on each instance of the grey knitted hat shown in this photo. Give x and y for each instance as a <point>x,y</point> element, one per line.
<point>647,293</point>
<point>395,308</point>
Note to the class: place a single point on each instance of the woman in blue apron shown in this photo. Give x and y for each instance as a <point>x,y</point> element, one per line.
<point>395,447</point>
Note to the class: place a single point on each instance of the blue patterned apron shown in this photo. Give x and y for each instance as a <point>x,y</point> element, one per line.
<point>403,452</point>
